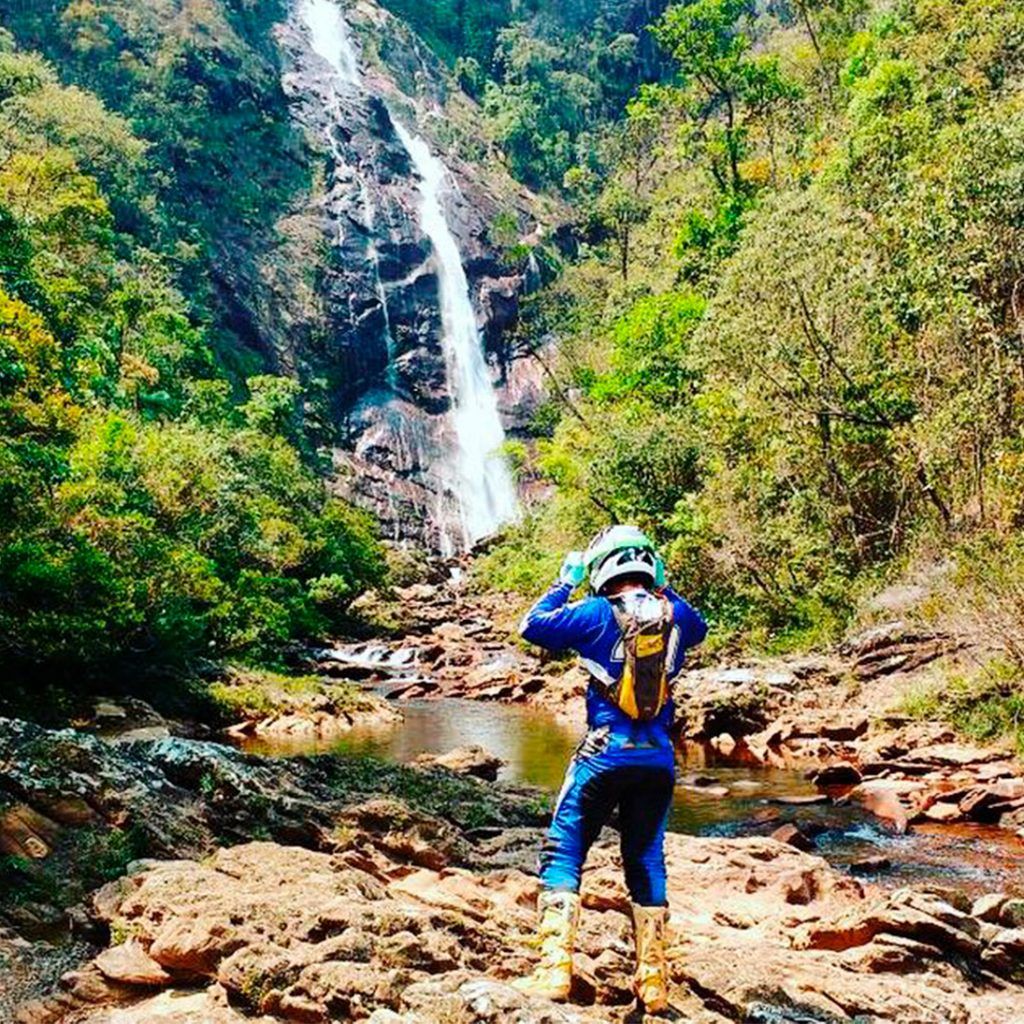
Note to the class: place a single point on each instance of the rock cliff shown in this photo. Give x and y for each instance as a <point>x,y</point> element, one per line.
<point>366,322</point>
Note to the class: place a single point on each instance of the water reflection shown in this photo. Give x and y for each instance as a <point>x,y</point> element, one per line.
<point>713,797</point>
<point>535,747</point>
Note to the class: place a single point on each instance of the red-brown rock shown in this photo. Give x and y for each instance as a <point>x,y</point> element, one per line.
<point>130,964</point>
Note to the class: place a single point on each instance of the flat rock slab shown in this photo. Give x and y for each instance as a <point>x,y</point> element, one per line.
<point>471,760</point>
<point>359,934</point>
<point>956,755</point>
<point>179,1007</point>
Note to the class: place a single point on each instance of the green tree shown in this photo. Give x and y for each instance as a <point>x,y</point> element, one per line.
<point>146,520</point>
<point>620,210</point>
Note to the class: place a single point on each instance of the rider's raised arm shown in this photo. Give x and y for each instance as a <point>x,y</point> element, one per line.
<point>555,623</point>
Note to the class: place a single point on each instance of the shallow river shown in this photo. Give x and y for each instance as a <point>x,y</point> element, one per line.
<point>536,748</point>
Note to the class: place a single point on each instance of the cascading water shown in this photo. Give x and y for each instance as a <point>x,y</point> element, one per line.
<point>330,39</point>
<point>477,473</point>
<point>483,482</point>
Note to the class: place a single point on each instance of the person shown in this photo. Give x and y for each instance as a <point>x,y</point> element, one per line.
<point>631,635</point>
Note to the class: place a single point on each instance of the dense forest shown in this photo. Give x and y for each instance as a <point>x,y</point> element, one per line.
<point>791,345</point>
<point>552,79</point>
<point>158,501</point>
<point>795,352</point>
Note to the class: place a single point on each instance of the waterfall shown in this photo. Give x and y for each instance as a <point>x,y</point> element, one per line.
<point>483,483</point>
<point>330,39</point>
<point>477,472</point>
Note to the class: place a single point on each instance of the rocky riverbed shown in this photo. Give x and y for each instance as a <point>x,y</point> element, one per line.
<point>837,716</point>
<point>405,895</point>
<point>166,879</point>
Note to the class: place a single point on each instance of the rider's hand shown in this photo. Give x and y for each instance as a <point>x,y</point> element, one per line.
<point>573,570</point>
<point>659,572</point>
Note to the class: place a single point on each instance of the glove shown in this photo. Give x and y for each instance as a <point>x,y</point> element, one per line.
<point>659,572</point>
<point>573,570</point>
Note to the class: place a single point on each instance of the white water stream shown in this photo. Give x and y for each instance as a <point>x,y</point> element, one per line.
<point>477,472</point>
<point>482,481</point>
<point>330,39</point>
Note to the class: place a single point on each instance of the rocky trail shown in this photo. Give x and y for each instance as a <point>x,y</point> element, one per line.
<point>184,881</point>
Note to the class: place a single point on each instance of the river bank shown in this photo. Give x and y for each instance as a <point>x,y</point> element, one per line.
<point>397,894</point>
<point>830,860</point>
<point>840,716</point>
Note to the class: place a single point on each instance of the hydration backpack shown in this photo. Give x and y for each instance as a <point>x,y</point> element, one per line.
<point>642,689</point>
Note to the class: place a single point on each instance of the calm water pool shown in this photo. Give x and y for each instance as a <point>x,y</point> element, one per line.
<point>536,748</point>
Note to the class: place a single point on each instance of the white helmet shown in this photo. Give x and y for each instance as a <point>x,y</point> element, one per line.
<point>619,551</point>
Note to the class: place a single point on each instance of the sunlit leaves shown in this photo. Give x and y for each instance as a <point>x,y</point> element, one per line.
<point>145,520</point>
<point>853,391</point>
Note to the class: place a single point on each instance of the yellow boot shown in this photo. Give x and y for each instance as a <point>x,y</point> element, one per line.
<point>559,913</point>
<point>650,983</point>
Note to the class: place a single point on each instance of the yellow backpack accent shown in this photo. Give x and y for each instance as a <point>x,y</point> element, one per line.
<point>642,689</point>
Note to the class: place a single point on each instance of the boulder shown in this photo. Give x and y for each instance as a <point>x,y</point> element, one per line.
<point>870,865</point>
<point>1013,821</point>
<point>956,755</point>
<point>105,712</point>
<point>991,800</point>
<point>24,832</point>
<point>941,811</point>
<point>470,760</point>
<point>987,907</point>
<point>130,964</point>
<point>905,913</point>
<point>209,1006</point>
<point>885,799</point>
<point>1011,914</point>
<point>1004,953</point>
<point>724,744</point>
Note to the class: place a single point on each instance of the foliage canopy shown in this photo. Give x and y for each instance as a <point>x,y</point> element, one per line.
<point>146,518</point>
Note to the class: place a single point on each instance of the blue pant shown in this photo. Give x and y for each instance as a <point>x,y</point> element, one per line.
<point>606,774</point>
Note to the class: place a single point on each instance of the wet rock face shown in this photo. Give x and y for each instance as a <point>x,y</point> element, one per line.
<point>366,220</point>
<point>367,320</point>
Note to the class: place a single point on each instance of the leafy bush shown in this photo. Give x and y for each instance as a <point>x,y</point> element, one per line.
<point>986,705</point>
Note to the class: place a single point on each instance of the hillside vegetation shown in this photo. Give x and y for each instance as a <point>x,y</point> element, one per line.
<point>550,78</point>
<point>149,514</point>
<point>792,346</point>
<point>161,501</point>
<point>795,352</point>
<point>194,81</point>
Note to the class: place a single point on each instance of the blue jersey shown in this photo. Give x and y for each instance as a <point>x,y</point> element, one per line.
<point>589,628</point>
